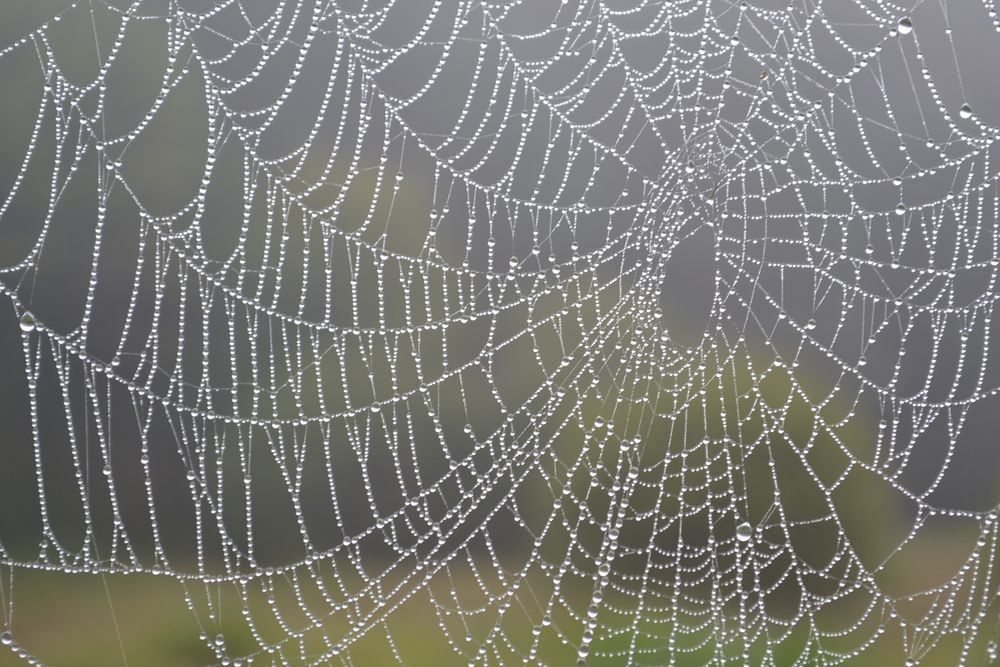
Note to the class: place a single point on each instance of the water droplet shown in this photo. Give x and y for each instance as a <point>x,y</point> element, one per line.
<point>965,112</point>
<point>27,322</point>
<point>744,531</point>
<point>905,26</point>
<point>689,167</point>
<point>6,638</point>
<point>604,569</point>
<point>900,208</point>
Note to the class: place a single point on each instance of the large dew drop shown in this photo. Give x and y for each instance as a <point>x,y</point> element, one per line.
<point>905,26</point>
<point>744,531</point>
<point>27,322</point>
<point>965,112</point>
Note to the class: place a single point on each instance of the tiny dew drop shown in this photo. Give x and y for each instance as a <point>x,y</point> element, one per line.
<point>27,322</point>
<point>743,532</point>
<point>900,208</point>
<point>905,26</point>
<point>6,638</point>
<point>965,112</point>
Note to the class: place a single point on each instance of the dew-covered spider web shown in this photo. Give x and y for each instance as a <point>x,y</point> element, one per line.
<point>432,332</point>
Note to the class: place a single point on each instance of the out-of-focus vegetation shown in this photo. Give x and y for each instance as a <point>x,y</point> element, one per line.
<point>140,620</point>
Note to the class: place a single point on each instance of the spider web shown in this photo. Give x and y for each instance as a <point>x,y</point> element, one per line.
<point>621,332</point>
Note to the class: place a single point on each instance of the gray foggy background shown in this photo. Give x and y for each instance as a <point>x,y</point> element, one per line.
<point>654,214</point>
